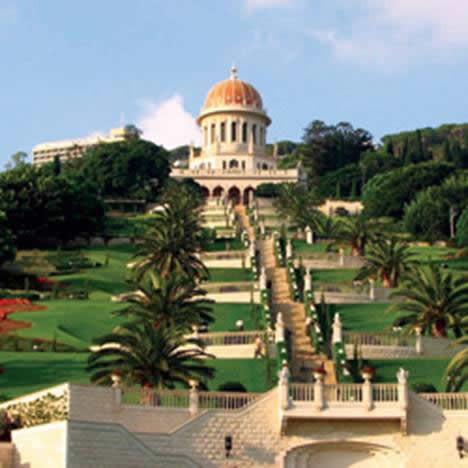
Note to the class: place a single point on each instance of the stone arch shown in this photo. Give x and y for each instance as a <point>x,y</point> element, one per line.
<point>342,454</point>
<point>206,192</point>
<point>247,192</point>
<point>218,192</point>
<point>233,164</point>
<point>234,194</point>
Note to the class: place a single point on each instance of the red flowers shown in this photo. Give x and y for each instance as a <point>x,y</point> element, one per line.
<point>9,306</point>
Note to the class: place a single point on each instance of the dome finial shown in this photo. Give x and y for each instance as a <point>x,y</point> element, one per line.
<point>233,72</point>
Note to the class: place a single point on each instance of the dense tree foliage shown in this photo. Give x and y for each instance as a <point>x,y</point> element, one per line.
<point>462,229</point>
<point>448,142</point>
<point>40,206</point>
<point>327,148</point>
<point>386,194</point>
<point>135,169</point>
<point>268,190</point>
<point>431,214</point>
<point>7,244</point>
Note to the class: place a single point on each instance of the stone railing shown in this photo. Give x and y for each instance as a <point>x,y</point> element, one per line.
<point>177,172</point>
<point>225,400</point>
<point>447,401</point>
<point>229,338</point>
<point>378,339</point>
<point>192,399</point>
<point>346,401</point>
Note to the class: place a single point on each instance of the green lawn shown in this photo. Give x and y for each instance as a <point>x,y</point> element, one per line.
<point>420,371</point>
<point>333,276</point>
<point>301,246</point>
<point>365,317</point>
<point>251,373</point>
<point>72,322</point>
<point>109,279</point>
<point>29,372</point>
<point>226,315</point>
<point>128,226</point>
<point>229,275</point>
<point>222,245</point>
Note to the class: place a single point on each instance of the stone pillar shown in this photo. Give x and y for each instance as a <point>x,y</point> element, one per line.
<point>262,278</point>
<point>248,261</point>
<point>341,252</point>
<point>288,249</point>
<point>255,215</point>
<point>419,341</point>
<point>372,289</point>
<point>337,336</point>
<point>284,376</point>
<point>251,197</point>
<point>252,248</point>
<point>367,397</point>
<point>307,281</point>
<point>279,332</point>
<point>193,397</point>
<point>319,394</point>
<point>309,235</point>
<point>262,228</point>
<point>402,376</point>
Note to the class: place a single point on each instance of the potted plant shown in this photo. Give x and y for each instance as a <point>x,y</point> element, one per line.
<point>368,372</point>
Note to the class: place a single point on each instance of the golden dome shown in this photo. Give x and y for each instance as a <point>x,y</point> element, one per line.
<point>233,93</point>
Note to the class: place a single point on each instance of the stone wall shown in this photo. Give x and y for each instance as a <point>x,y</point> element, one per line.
<point>41,446</point>
<point>6,455</point>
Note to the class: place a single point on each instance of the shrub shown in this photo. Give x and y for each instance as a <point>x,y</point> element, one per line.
<point>423,387</point>
<point>232,387</point>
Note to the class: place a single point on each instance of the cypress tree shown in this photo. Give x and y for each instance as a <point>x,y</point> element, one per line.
<point>447,152</point>
<point>420,156</point>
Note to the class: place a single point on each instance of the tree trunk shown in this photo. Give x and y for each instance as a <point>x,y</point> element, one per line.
<point>439,328</point>
<point>386,281</point>
<point>356,251</point>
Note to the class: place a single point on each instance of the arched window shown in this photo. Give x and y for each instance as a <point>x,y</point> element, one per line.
<point>258,166</point>
<point>213,133</point>
<point>233,131</point>
<point>254,134</point>
<point>233,164</point>
<point>244,132</point>
<point>264,166</point>
<point>224,164</point>
<point>243,165</point>
<point>223,131</point>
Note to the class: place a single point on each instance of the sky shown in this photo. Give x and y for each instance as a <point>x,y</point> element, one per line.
<point>74,69</point>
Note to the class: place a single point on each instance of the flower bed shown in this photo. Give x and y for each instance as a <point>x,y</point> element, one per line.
<point>10,306</point>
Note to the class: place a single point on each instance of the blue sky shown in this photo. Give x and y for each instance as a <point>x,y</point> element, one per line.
<point>72,69</point>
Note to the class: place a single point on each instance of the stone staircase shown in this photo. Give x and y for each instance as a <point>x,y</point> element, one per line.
<point>303,356</point>
<point>241,211</point>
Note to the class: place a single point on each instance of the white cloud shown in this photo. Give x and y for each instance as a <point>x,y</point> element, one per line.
<point>395,32</point>
<point>260,4</point>
<point>167,123</point>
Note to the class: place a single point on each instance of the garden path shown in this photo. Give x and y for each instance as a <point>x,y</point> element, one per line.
<point>304,357</point>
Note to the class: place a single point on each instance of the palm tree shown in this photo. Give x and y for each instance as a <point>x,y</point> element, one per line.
<point>169,302</point>
<point>172,243</point>
<point>300,205</point>
<point>387,260</point>
<point>148,356</point>
<point>356,231</point>
<point>434,300</point>
<point>456,373</point>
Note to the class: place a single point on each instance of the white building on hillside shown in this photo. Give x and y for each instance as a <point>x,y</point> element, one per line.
<point>72,149</point>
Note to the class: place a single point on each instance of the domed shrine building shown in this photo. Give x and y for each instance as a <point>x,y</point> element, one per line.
<point>233,160</point>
